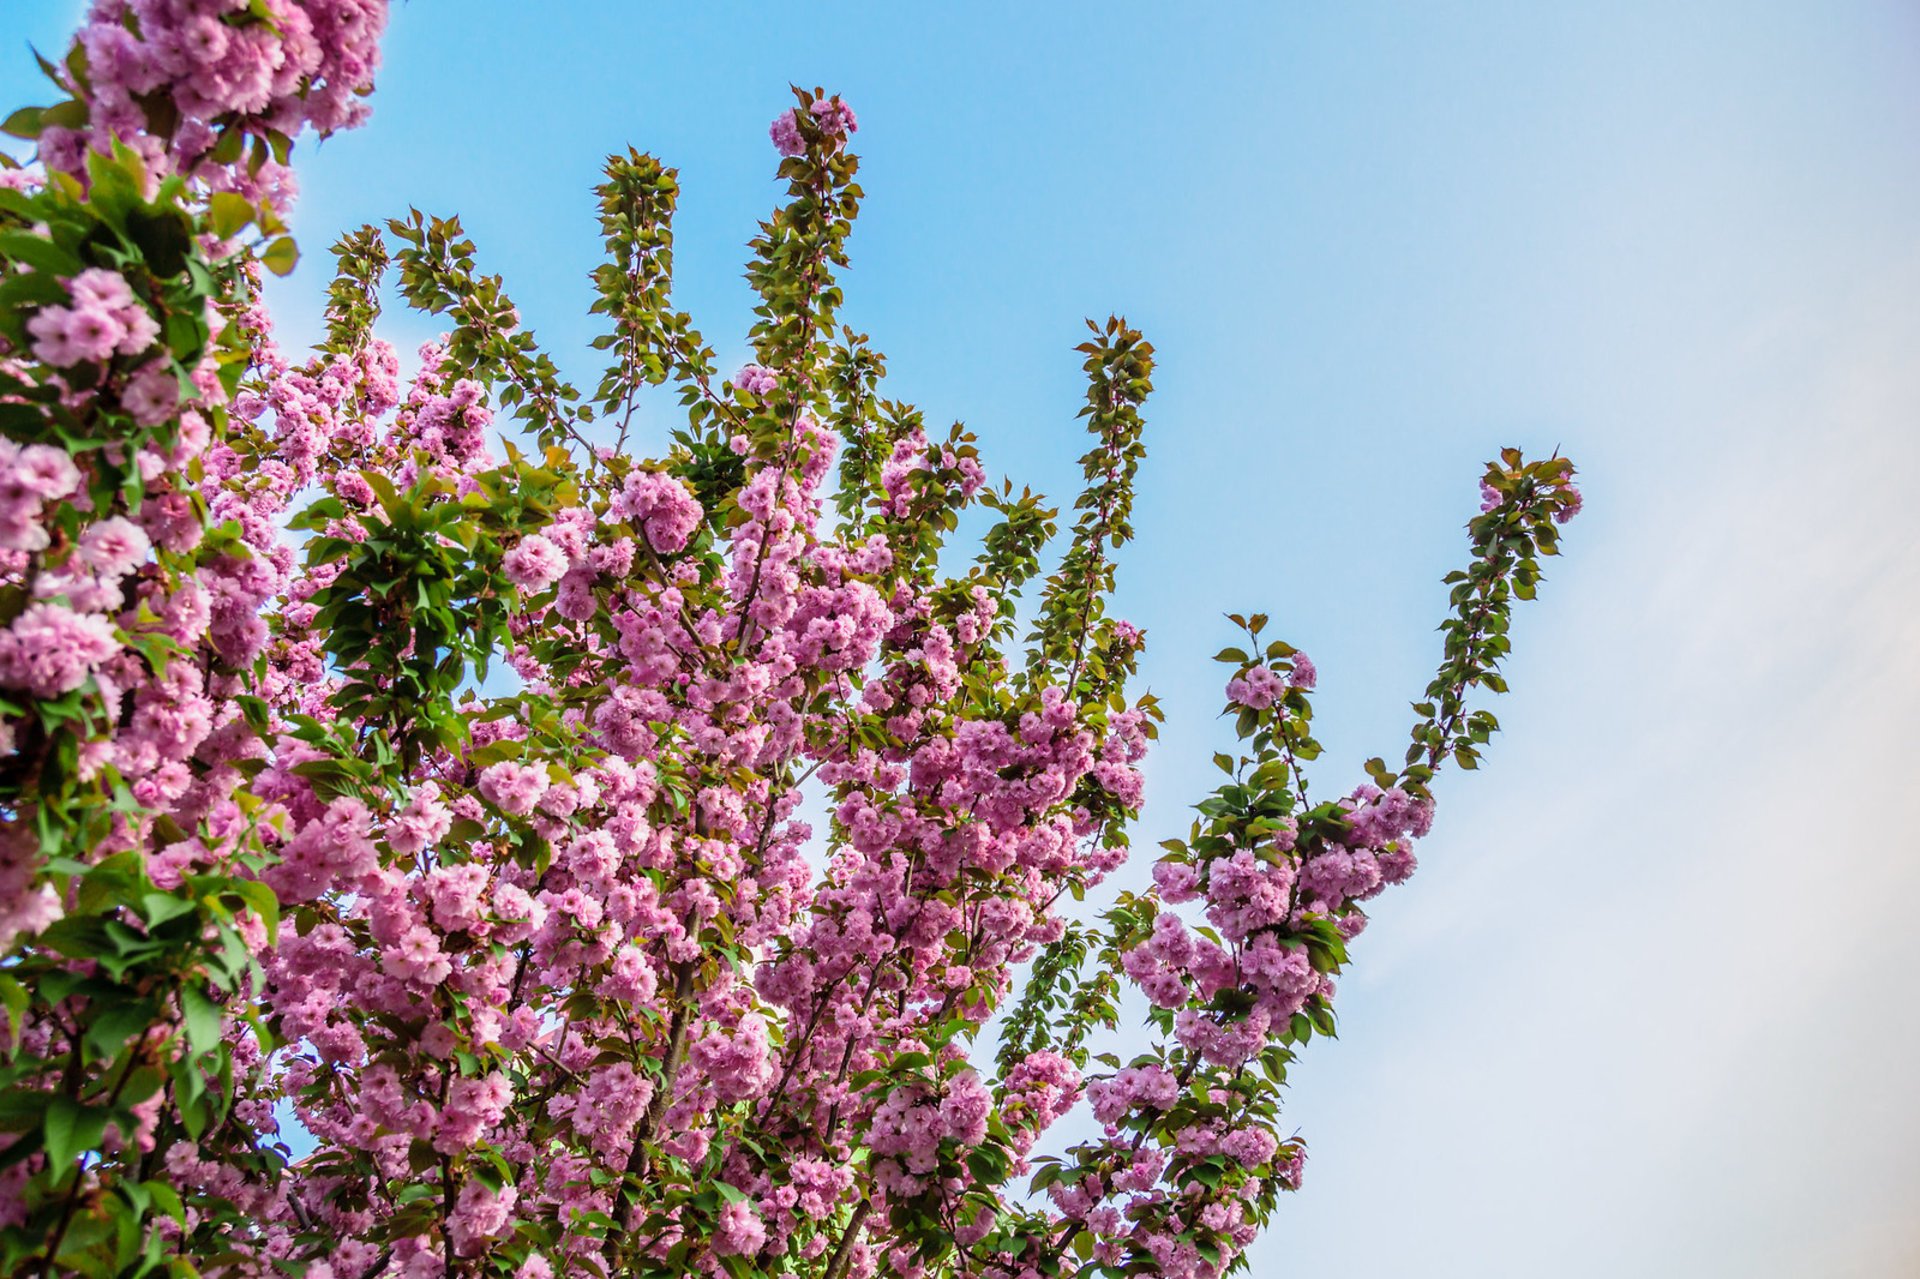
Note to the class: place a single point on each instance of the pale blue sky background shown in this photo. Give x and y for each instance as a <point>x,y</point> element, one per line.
<point>1648,1008</point>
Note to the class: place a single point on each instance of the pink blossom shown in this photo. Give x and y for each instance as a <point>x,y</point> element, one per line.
<point>92,334</point>
<point>480,1214</point>
<point>101,288</point>
<point>44,471</point>
<point>785,132</point>
<point>661,506</point>
<point>755,380</point>
<point>115,546</point>
<point>1257,688</point>
<point>736,1060</point>
<point>52,337</point>
<point>513,786</point>
<point>534,564</point>
<point>50,649</point>
<point>473,1106</point>
<point>739,1232</point>
<point>152,395</point>
<point>836,117</point>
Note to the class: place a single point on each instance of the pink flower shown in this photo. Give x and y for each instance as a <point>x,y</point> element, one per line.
<point>1177,881</point>
<point>152,394</point>
<point>141,330</point>
<point>1257,689</point>
<point>29,912</point>
<point>755,380</point>
<point>739,1231</point>
<point>51,340</point>
<point>204,39</point>
<point>93,334</point>
<point>608,1109</point>
<point>309,64</point>
<point>423,822</point>
<point>44,470</point>
<point>737,1061</point>
<point>457,893</point>
<point>785,132</point>
<point>661,506</point>
<point>535,564</point>
<point>480,1214</point>
<point>417,957</point>
<point>514,787</point>
<point>50,649</point>
<point>473,1107</point>
<point>1246,894</point>
<point>115,546</point>
<point>1151,1087</point>
<point>836,117</point>
<point>965,1108</point>
<point>101,288</point>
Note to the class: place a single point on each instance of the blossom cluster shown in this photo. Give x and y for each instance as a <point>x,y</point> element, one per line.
<point>830,117</point>
<point>400,772</point>
<point>222,68</point>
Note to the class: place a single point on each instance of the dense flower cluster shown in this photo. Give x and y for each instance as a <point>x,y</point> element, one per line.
<point>173,78</point>
<point>399,773</point>
<point>834,121</point>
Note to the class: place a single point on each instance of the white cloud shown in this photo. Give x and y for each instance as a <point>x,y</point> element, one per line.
<point>1648,1007</point>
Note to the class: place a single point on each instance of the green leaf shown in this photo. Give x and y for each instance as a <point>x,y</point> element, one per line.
<point>260,899</point>
<point>71,1129</point>
<point>264,12</point>
<point>40,253</point>
<point>167,1200</point>
<point>202,1018</point>
<point>227,149</point>
<point>281,256</point>
<point>24,123</point>
<point>230,212</point>
<point>71,114</point>
<point>16,1000</point>
<point>989,1165</point>
<point>114,1024</point>
<point>157,908</point>
<point>164,237</point>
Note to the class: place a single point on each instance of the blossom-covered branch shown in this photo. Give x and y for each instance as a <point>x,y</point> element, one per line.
<point>408,772</point>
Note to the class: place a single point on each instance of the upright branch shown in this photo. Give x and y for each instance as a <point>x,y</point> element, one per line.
<point>1521,502</point>
<point>438,276</point>
<point>1119,364</point>
<point>353,299</point>
<point>649,341</point>
<point>1191,1144</point>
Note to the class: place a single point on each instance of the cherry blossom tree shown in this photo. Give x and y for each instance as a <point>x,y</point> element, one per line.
<point>402,869</point>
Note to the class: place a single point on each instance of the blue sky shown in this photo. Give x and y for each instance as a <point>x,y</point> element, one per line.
<point>1645,1009</point>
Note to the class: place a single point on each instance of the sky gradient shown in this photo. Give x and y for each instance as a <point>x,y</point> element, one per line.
<point>1646,1009</point>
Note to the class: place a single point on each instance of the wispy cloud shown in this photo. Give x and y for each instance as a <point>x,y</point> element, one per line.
<point>1652,1013</point>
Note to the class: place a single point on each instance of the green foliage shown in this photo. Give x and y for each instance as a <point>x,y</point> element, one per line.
<point>1069,639</point>
<point>353,299</point>
<point>437,275</point>
<point>1508,542</point>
